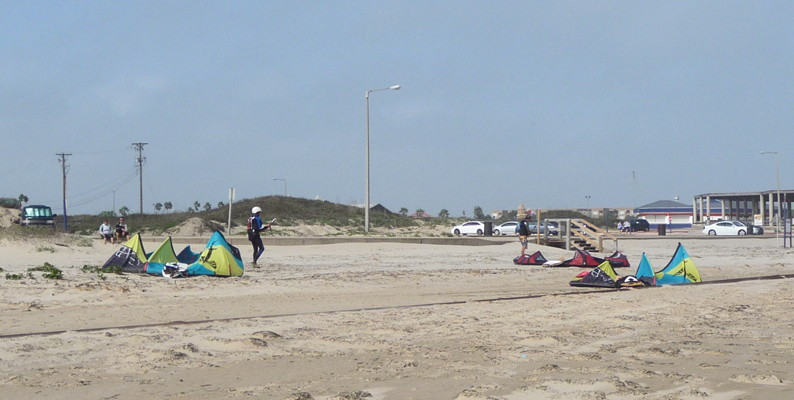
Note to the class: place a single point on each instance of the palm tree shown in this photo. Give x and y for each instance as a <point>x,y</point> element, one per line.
<point>403,211</point>
<point>124,210</point>
<point>443,213</point>
<point>207,206</point>
<point>168,205</point>
<point>196,205</point>
<point>420,212</point>
<point>220,204</point>
<point>158,206</point>
<point>22,199</point>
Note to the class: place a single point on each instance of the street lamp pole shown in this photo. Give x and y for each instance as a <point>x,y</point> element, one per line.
<point>285,185</point>
<point>779,209</point>
<point>588,206</point>
<point>366,204</point>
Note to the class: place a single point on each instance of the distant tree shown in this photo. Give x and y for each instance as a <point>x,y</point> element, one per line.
<point>196,205</point>
<point>158,206</point>
<point>420,212</point>
<point>464,213</point>
<point>22,199</point>
<point>190,210</point>
<point>207,206</point>
<point>220,204</point>
<point>124,210</point>
<point>403,211</point>
<point>478,214</point>
<point>168,205</point>
<point>443,213</point>
<point>106,214</point>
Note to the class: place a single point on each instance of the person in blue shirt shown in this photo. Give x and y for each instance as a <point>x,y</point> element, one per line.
<point>255,226</point>
<point>523,232</point>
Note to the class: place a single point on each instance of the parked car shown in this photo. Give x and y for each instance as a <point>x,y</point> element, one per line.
<point>469,228</point>
<point>640,225</point>
<point>37,216</point>
<point>508,228</point>
<point>721,228</point>
<point>758,230</point>
<point>553,228</point>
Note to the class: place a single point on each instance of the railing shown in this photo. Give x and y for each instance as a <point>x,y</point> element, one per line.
<point>591,234</point>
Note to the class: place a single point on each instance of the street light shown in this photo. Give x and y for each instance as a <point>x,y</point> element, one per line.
<point>366,205</point>
<point>285,185</point>
<point>779,209</point>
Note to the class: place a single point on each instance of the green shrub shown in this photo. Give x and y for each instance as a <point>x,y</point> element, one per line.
<point>50,272</point>
<point>13,277</point>
<point>112,269</point>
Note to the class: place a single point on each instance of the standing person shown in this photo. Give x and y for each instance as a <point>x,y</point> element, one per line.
<point>255,226</point>
<point>121,230</point>
<point>523,232</point>
<point>106,232</point>
<point>669,223</point>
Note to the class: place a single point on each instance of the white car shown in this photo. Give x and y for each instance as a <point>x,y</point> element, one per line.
<point>469,228</point>
<point>508,228</point>
<point>726,228</point>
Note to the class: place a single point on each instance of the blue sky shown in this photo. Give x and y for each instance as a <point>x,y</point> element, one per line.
<point>502,102</point>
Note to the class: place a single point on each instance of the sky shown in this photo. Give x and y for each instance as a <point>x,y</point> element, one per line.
<point>553,104</point>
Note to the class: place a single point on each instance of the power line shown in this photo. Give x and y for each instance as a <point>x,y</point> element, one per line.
<point>118,183</point>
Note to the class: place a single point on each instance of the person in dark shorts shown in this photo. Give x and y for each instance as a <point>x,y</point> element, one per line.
<point>523,232</point>
<point>122,231</point>
<point>255,226</point>
<point>106,232</point>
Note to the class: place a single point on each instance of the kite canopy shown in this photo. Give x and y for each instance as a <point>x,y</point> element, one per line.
<point>535,259</point>
<point>618,260</point>
<point>601,276</point>
<point>130,257</point>
<point>645,272</point>
<point>160,257</point>
<point>679,270</point>
<point>582,259</point>
<point>219,258</point>
<point>187,256</point>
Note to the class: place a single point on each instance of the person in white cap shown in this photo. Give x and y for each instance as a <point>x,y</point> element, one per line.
<point>255,226</point>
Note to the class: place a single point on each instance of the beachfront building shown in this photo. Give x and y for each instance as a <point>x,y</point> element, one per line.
<point>658,212</point>
<point>625,213</point>
<point>758,208</point>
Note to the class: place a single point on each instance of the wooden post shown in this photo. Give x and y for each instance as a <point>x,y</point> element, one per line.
<point>538,224</point>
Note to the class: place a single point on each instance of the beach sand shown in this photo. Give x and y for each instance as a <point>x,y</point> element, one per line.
<point>397,321</point>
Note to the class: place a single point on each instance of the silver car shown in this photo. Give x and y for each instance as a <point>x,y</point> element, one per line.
<point>508,228</point>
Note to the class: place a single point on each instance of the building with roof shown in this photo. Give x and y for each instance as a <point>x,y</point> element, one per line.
<point>658,212</point>
<point>760,208</point>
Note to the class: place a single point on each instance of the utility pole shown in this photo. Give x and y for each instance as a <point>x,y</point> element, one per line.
<point>62,159</point>
<point>140,159</point>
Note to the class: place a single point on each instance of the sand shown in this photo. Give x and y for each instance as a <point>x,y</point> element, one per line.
<point>397,321</point>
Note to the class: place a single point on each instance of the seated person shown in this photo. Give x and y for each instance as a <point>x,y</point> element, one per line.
<point>106,232</point>
<point>121,230</point>
<point>620,227</point>
<point>627,226</point>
